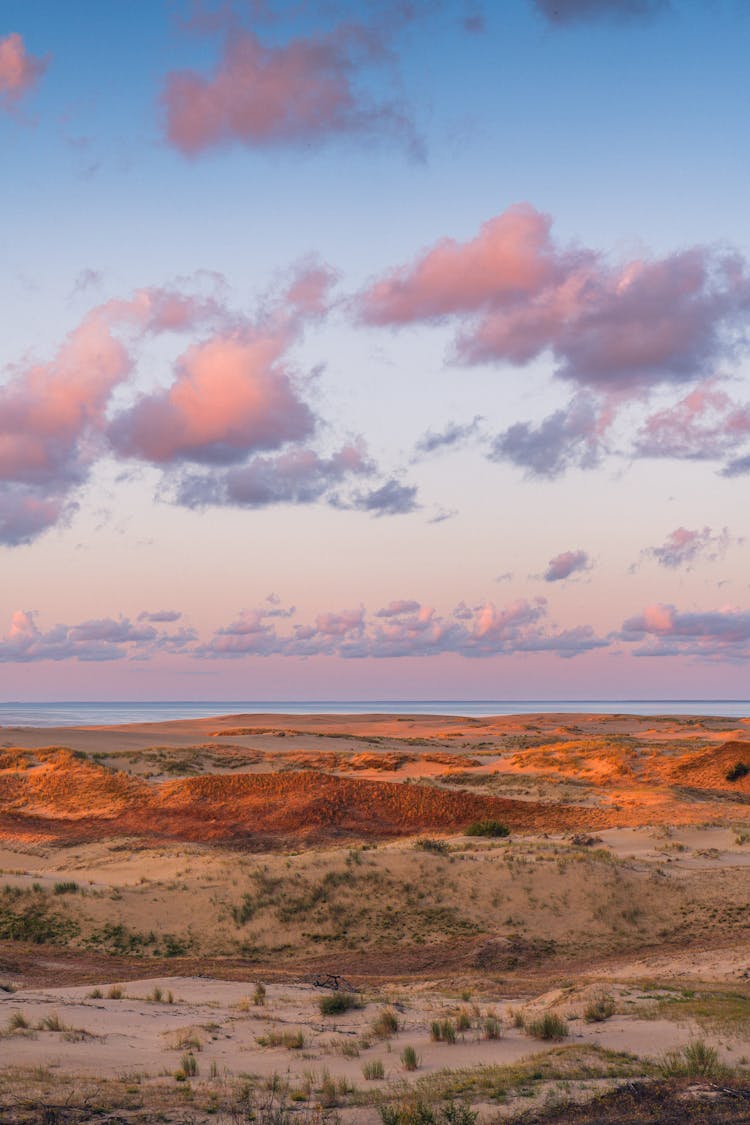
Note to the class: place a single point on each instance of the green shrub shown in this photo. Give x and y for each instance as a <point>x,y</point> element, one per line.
<point>491,1027</point>
<point>548,1026</point>
<point>338,1002</point>
<point>487,828</point>
<point>696,1060</point>
<point>33,923</point>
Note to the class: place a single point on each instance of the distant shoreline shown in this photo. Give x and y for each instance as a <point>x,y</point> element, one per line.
<point>117,713</point>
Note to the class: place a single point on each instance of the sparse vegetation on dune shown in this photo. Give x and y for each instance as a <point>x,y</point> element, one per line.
<point>380,906</point>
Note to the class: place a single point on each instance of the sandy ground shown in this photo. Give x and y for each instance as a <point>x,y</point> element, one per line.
<point>146,858</point>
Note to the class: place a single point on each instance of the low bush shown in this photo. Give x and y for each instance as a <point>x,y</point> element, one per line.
<point>696,1060</point>
<point>337,1003</point>
<point>487,828</point>
<point>737,771</point>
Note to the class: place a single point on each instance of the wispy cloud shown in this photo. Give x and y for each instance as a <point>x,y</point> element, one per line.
<point>20,71</point>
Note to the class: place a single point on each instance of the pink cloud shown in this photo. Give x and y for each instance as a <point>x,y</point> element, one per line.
<point>19,71</point>
<point>515,294</point>
<point>99,640</point>
<point>663,630</point>
<point>230,398</point>
<point>406,628</point>
<point>302,91</point>
<point>684,546</point>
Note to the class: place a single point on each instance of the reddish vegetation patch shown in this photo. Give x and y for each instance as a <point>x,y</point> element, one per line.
<point>708,768</point>
<point>63,797</point>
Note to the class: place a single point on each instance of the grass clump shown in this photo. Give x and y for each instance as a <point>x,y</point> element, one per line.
<point>188,1065</point>
<point>737,771</point>
<point>373,1070</point>
<point>443,1031</point>
<point>385,1023</point>
<point>494,828</point>
<point>52,1023</point>
<point>600,1008</point>
<point>67,887</point>
<point>292,1040</point>
<point>17,1022</point>
<point>550,1027</point>
<point>338,1003</point>
<point>696,1060</point>
<point>440,847</point>
<point>491,1027</point>
<point>413,1111</point>
<point>409,1058</point>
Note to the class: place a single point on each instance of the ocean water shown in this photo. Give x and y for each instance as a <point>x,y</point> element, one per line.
<point>13,714</point>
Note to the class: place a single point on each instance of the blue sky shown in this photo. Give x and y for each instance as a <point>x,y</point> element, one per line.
<point>623,123</point>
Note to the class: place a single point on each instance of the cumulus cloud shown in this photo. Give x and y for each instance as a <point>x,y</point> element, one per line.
<point>405,628</point>
<point>96,640</point>
<point>232,427</point>
<point>663,630</point>
<point>571,437</point>
<point>19,70</point>
<point>560,12</point>
<point>565,564</point>
<point>515,294</point>
<point>230,398</point>
<point>685,546</point>
<point>304,91</point>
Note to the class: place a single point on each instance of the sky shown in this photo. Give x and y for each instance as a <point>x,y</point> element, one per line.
<point>374,350</point>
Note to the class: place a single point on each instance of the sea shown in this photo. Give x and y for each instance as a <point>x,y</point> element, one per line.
<point>77,714</point>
